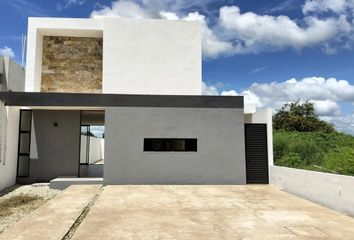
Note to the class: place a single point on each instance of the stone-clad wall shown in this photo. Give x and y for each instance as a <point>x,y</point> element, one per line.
<point>72,64</point>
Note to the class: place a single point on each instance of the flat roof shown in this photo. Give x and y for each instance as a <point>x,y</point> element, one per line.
<point>41,99</point>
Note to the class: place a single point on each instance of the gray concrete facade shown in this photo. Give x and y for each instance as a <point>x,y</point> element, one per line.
<point>54,149</point>
<point>220,158</point>
<point>331,190</point>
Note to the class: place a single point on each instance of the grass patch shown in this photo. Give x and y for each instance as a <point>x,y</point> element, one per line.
<point>7,206</point>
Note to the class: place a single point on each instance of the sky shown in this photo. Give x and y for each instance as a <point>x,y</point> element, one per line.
<point>270,51</point>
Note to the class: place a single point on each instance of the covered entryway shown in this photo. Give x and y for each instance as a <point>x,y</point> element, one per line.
<point>92,144</point>
<point>256,153</point>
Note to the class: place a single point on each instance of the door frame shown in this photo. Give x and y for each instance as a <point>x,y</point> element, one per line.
<point>267,156</point>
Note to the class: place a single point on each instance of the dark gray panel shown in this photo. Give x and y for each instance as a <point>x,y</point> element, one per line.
<point>119,100</point>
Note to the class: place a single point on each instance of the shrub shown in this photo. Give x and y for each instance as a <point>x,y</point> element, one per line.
<point>319,151</point>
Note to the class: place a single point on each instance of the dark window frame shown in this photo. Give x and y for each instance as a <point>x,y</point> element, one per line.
<point>20,133</point>
<point>191,144</point>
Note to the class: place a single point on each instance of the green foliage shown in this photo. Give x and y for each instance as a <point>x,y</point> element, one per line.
<point>319,151</point>
<point>300,117</point>
<point>340,161</point>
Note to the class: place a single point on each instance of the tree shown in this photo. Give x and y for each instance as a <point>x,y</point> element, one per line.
<point>296,116</point>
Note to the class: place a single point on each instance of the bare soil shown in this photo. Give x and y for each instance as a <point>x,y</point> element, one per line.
<point>20,200</point>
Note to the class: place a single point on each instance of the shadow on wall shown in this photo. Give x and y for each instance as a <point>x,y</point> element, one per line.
<point>55,142</point>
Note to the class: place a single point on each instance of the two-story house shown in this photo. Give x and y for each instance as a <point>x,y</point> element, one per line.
<point>141,81</point>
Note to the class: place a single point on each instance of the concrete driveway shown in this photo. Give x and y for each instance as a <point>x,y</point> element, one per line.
<point>209,212</point>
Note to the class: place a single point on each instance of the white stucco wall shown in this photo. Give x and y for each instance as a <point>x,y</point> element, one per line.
<point>264,116</point>
<point>331,190</point>
<point>151,57</point>
<point>83,151</point>
<point>140,56</point>
<point>102,147</point>
<point>14,76</point>
<point>8,166</point>
<point>96,149</point>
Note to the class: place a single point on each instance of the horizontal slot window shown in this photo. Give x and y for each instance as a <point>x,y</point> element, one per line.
<point>170,145</point>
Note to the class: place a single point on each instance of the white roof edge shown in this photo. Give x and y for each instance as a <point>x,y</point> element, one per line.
<point>65,23</point>
<point>95,22</point>
<point>75,27</point>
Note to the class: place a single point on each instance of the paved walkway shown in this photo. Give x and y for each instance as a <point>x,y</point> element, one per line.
<point>55,218</point>
<point>181,212</point>
<point>209,212</point>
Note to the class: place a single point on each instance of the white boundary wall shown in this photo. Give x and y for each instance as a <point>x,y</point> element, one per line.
<point>8,166</point>
<point>96,149</point>
<point>331,190</point>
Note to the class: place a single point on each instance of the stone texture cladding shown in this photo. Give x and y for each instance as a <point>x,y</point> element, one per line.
<point>72,64</point>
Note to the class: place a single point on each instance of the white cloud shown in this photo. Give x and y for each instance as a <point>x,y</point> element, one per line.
<point>229,93</point>
<point>327,108</point>
<point>249,97</point>
<point>320,6</point>
<point>75,2</point>
<point>239,33</point>
<point>69,3</point>
<point>312,88</point>
<point>326,94</point>
<point>342,123</point>
<point>8,52</point>
<point>259,32</point>
<point>252,98</point>
<point>209,90</point>
<point>169,15</point>
<point>123,9</point>
<point>259,69</point>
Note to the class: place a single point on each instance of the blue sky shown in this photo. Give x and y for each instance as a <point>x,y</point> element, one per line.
<point>271,51</point>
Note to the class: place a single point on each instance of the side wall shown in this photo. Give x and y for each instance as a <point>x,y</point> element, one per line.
<point>96,149</point>
<point>12,78</point>
<point>8,165</point>
<point>54,149</point>
<point>151,57</point>
<point>12,75</point>
<point>331,190</point>
<point>220,158</point>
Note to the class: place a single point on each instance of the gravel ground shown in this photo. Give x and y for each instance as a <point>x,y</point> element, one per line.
<point>40,190</point>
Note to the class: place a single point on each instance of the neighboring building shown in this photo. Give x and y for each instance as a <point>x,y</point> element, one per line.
<point>139,81</point>
<point>12,78</point>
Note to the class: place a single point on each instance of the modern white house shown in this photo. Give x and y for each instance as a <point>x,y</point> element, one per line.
<point>140,82</point>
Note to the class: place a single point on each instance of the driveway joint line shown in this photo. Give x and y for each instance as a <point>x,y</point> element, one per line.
<point>82,215</point>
